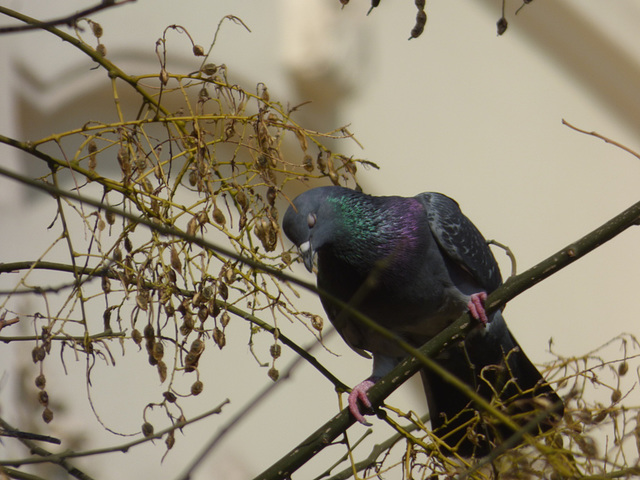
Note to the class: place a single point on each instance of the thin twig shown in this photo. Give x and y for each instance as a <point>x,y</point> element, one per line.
<point>60,458</point>
<point>69,20</point>
<point>602,137</point>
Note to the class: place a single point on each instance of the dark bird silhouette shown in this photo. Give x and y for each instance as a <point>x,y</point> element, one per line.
<point>414,265</point>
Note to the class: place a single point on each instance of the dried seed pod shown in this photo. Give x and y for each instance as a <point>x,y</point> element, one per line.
<point>111,217</point>
<point>203,313</point>
<point>38,354</point>
<point>192,226</point>
<point>223,290</point>
<point>41,381</point>
<point>322,166</point>
<point>147,429</point>
<point>117,254</point>
<point>158,351</point>
<point>275,350</point>
<point>197,347</point>
<point>175,259</point>
<point>421,19</point>
<point>142,300</point>
<point>187,325</point>
<point>197,387</point>
<point>43,398</point>
<point>623,368</point>
<point>136,336</point>
<point>169,397</point>
<point>602,414</point>
<point>208,292</point>
<point>209,69</point>
<point>152,360</point>
<point>224,319</point>
<point>191,362</point>
<point>273,373</point>
<point>229,275</point>
<point>96,28</point>
<point>193,178</point>
<point>271,195</point>
<point>317,322</point>
<point>164,76</point>
<point>149,332</point>
<point>198,50</point>
<point>47,415</point>
<point>219,338</point>
<point>106,284</point>
<point>616,395</point>
<point>502,25</point>
<point>307,163</point>
<point>162,371</point>
<point>170,440</point>
<point>101,50</point>
<point>241,198</point>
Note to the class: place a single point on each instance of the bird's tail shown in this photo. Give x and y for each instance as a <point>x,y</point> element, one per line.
<point>492,363</point>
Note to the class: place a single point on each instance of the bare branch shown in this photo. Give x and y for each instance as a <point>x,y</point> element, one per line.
<point>69,20</point>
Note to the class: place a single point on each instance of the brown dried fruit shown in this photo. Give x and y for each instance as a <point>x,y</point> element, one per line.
<point>197,387</point>
<point>162,371</point>
<point>38,354</point>
<point>219,338</point>
<point>158,351</point>
<point>219,217</point>
<point>317,322</point>
<point>170,440</point>
<point>623,368</point>
<point>616,395</point>
<point>47,415</point>
<point>41,381</point>
<point>136,336</point>
<point>149,332</point>
<point>147,429</point>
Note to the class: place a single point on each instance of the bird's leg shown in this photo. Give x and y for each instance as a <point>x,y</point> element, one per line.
<point>381,366</point>
<point>476,307</point>
<point>359,393</point>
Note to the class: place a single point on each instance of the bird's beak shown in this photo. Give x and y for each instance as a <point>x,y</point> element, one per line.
<point>308,254</point>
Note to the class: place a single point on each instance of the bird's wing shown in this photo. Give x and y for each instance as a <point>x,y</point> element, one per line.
<point>460,239</point>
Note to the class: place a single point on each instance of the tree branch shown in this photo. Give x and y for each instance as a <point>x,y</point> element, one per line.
<point>61,458</point>
<point>69,20</point>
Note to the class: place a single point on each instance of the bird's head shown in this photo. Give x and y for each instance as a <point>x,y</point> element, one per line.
<point>309,222</point>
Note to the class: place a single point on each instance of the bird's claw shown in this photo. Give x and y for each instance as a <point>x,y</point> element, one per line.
<point>476,307</point>
<point>359,393</point>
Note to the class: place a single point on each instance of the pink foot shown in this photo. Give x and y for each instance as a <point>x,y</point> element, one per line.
<point>359,392</point>
<point>476,307</point>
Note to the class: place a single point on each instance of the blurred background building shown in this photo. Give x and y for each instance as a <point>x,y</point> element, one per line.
<point>459,110</point>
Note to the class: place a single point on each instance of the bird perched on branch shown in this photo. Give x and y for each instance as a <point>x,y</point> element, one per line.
<point>414,265</point>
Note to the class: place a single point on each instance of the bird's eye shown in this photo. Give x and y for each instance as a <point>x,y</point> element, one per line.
<point>311,220</point>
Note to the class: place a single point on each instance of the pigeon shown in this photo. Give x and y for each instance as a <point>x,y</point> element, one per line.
<point>414,265</point>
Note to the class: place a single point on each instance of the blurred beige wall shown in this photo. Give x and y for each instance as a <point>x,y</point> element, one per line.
<point>458,110</point>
